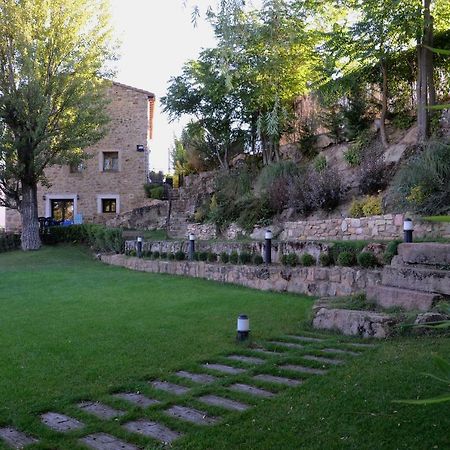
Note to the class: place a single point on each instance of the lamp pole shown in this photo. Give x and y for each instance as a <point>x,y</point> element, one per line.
<point>191,246</point>
<point>268,247</point>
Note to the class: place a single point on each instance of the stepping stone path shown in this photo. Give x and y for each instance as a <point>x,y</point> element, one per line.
<point>103,441</point>
<point>251,390</point>
<point>191,415</point>
<point>304,338</point>
<point>60,422</point>
<point>303,369</point>
<point>246,359</point>
<point>320,359</point>
<point>266,352</point>
<point>278,380</point>
<point>202,378</point>
<point>171,388</point>
<point>223,402</point>
<point>16,439</point>
<point>100,410</point>
<point>286,344</point>
<point>152,429</point>
<point>137,399</point>
<point>338,350</point>
<point>360,345</point>
<point>224,369</point>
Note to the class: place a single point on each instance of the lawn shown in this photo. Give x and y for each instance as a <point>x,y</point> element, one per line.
<point>74,329</point>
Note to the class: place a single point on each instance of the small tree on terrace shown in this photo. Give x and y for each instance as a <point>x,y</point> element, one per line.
<point>52,102</point>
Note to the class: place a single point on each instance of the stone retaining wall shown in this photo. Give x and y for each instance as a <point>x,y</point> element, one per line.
<point>317,281</point>
<point>386,227</point>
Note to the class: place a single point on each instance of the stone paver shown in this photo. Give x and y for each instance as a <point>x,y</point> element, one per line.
<point>137,399</point>
<point>103,441</point>
<point>201,378</point>
<point>303,369</point>
<point>223,402</point>
<point>171,388</point>
<point>304,338</point>
<point>286,344</point>
<point>191,415</point>
<point>100,410</point>
<point>224,369</point>
<point>339,350</point>
<point>252,390</point>
<point>321,359</point>
<point>15,438</point>
<point>152,429</point>
<point>278,380</point>
<point>246,359</point>
<point>266,352</point>
<point>60,422</point>
<point>359,344</point>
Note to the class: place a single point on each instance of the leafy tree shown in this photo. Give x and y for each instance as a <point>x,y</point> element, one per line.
<point>52,55</point>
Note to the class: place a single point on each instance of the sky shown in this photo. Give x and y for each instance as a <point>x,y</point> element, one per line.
<point>157,37</point>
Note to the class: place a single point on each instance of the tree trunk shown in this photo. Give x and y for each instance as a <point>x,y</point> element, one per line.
<point>384,96</point>
<point>29,215</point>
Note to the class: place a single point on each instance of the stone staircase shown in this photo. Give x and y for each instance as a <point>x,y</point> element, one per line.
<point>417,279</point>
<point>180,209</point>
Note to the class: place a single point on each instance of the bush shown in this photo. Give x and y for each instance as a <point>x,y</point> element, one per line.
<point>224,257</point>
<point>203,256</point>
<point>391,251</point>
<point>325,259</point>
<point>372,174</point>
<point>132,253</point>
<point>257,259</point>
<point>422,184</point>
<point>291,259</point>
<point>307,260</point>
<point>212,257</point>
<point>171,257</point>
<point>147,254</point>
<point>367,260</point>
<point>353,155</point>
<point>353,247</point>
<point>346,259</point>
<point>372,206</point>
<point>180,256</point>
<point>9,241</point>
<point>156,255</point>
<point>356,209</point>
<point>234,258</point>
<point>152,191</point>
<point>163,255</point>
<point>245,258</point>
<point>254,210</point>
<point>320,163</point>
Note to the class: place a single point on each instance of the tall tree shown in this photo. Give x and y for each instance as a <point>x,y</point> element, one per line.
<point>52,102</point>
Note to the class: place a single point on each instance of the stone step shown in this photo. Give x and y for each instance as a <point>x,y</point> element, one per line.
<point>15,438</point>
<point>60,422</point>
<point>278,380</point>
<point>103,441</point>
<point>152,429</point>
<point>287,344</point>
<point>100,410</point>
<point>417,279</point>
<point>321,359</point>
<point>251,390</point>
<point>136,399</point>
<point>263,351</point>
<point>201,378</point>
<point>171,388</point>
<point>391,297</point>
<point>191,415</point>
<point>340,351</point>
<point>304,338</point>
<point>427,253</point>
<point>224,369</point>
<point>303,369</point>
<point>222,402</point>
<point>246,359</point>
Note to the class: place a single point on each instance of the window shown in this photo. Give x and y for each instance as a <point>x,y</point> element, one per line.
<point>110,161</point>
<point>108,205</point>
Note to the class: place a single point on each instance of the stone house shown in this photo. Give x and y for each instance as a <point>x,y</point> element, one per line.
<point>111,180</point>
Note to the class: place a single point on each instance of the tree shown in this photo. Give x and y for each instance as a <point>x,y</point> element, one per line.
<point>52,102</point>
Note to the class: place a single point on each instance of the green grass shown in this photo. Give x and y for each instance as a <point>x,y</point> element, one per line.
<point>437,219</point>
<point>74,329</point>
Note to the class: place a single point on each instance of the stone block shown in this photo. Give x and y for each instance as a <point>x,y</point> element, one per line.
<point>191,415</point>
<point>251,390</point>
<point>15,438</point>
<point>103,441</point>
<point>429,253</point>
<point>222,402</point>
<point>277,380</point>
<point>152,429</point>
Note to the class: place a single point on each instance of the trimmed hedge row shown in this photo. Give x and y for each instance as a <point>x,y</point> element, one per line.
<point>9,241</point>
<point>99,237</point>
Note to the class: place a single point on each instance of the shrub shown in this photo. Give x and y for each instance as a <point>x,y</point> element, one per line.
<point>171,257</point>
<point>353,155</point>
<point>273,172</point>
<point>212,257</point>
<point>152,191</point>
<point>180,256</point>
<point>147,254</point>
<point>291,259</point>
<point>257,259</point>
<point>253,211</point>
<point>224,257</point>
<point>356,208</point>
<point>196,256</point>
<point>325,259</point>
<point>391,251</point>
<point>354,247</point>
<point>163,255</point>
<point>234,258</point>
<point>245,258</point>
<point>9,241</point>
<point>156,255</point>
<point>132,253</point>
<point>346,259</point>
<point>307,260</point>
<point>372,174</point>
<point>320,163</point>
<point>203,256</point>
<point>367,259</point>
<point>372,206</point>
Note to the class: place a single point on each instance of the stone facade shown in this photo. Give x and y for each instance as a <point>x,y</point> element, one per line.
<point>318,281</point>
<point>87,188</point>
<point>386,227</point>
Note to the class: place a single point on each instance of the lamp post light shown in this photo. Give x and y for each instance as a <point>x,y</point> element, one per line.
<point>408,230</point>
<point>268,247</point>
<point>139,246</point>
<point>243,327</point>
<point>191,246</point>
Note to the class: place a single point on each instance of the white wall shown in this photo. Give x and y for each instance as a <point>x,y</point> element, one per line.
<point>2,217</point>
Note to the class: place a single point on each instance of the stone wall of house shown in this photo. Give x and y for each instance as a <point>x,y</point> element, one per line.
<point>13,221</point>
<point>317,281</point>
<point>385,227</point>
